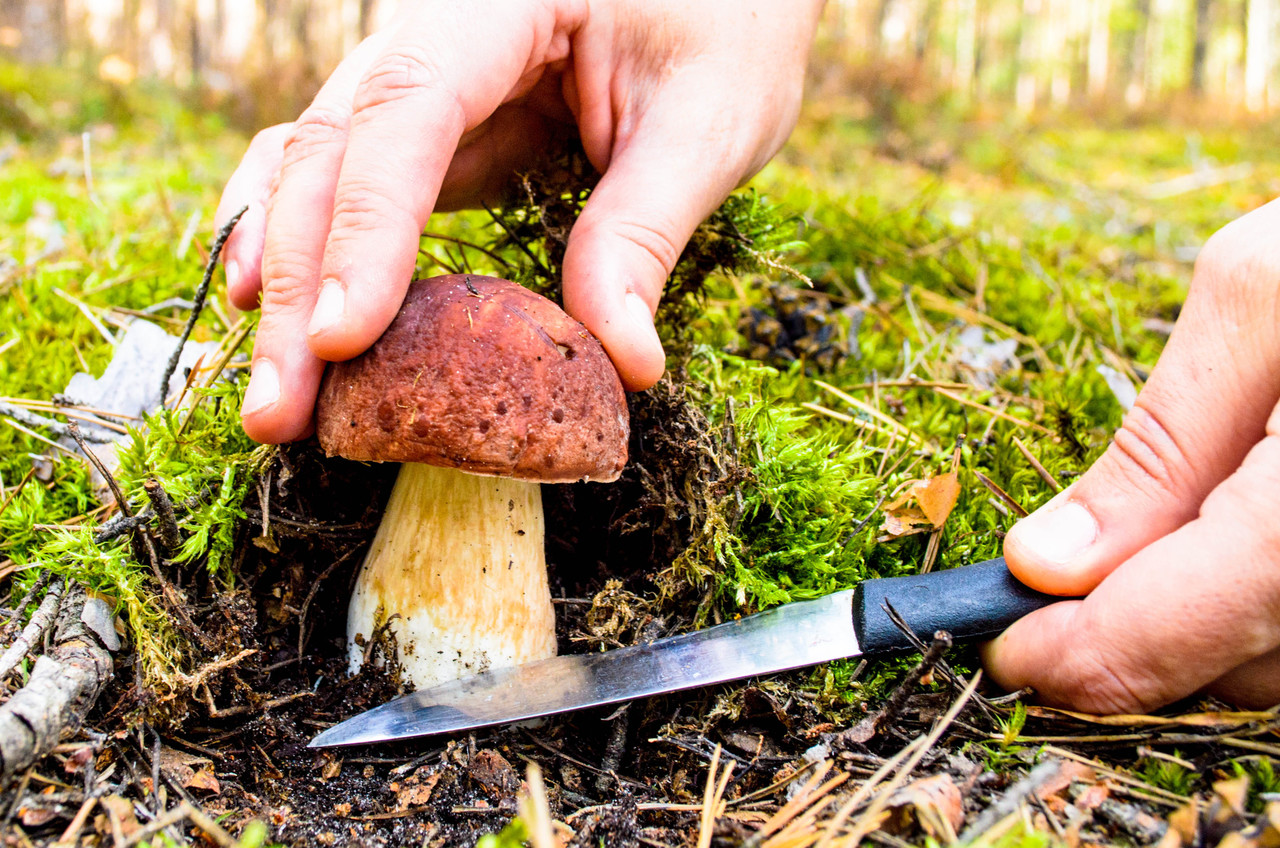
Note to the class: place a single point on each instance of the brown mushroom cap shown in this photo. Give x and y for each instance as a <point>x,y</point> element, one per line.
<point>482,375</point>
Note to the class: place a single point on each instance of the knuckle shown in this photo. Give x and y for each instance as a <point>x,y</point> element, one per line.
<point>1148,455</point>
<point>653,241</point>
<point>1102,683</point>
<point>1237,263</point>
<point>400,75</point>
<point>317,129</point>
<point>364,205</point>
<point>287,283</point>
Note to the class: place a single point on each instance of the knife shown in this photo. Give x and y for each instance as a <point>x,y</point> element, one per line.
<point>968,602</point>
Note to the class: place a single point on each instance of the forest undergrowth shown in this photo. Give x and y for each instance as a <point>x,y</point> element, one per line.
<point>909,331</point>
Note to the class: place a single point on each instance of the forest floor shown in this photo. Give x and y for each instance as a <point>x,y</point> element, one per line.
<point>921,297</point>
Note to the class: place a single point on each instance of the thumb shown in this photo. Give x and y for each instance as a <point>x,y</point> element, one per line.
<point>1205,405</point>
<point>660,184</point>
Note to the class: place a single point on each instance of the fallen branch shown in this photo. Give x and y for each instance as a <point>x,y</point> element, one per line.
<point>41,620</point>
<point>63,686</point>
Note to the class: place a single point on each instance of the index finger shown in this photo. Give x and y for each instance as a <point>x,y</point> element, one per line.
<point>446,69</point>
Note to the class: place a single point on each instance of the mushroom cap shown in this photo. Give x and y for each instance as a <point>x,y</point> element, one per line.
<point>480,374</point>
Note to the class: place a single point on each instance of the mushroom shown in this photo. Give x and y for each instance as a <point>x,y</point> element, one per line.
<point>484,390</point>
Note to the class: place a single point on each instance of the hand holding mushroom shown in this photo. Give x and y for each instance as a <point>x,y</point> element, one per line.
<point>675,101</point>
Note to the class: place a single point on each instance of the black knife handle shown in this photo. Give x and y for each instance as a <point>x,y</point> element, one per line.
<point>967,602</point>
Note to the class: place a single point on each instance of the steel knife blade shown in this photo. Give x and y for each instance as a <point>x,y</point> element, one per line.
<point>971,601</point>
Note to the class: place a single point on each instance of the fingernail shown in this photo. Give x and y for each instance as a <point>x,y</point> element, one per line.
<point>639,309</point>
<point>1060,534</point>
<point>264,388</point>
<point>329,308</point>
<point>232,271</point>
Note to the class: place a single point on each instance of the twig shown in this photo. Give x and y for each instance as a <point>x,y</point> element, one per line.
<point>870,819</point>
<point>202,292</point>
<point>120,525</point>
<point>808,795</point>
<point>1035,463</point>
<point>1004,497</point>
<point>169,535</point>
<point>711,797</point>
<point>63,685</point>
<point>32,420</point>
<point>497,219</point>
<point>1012,799</point>
<point>41,582</point>
<point>73,430</point>
<point>71,836</point>
<point>998,413</point>
<point>931,656</point>
<point>41,620</point>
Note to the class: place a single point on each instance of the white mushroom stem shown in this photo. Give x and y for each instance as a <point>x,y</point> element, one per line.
<point>457,568</point>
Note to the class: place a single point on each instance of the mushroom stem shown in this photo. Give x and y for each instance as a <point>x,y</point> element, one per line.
<point>457,567</point>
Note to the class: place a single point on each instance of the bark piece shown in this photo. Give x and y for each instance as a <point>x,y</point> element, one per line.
<point>61,689</point>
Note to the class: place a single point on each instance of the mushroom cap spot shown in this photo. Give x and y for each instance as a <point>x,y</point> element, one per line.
<point>473,374</point>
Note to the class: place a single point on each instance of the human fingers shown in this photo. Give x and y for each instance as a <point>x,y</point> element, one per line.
<point>1252,685</point>
<point>1200,607</point>
<point>1197,608</point>
<point>286,374</point>
<point>1204,407</point>
<point>250,186</point>
<point>627,240</point>
<point>445,70</point>
<point>696,98</point>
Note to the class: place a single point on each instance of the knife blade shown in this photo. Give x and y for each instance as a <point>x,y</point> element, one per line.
<point>968,602</point>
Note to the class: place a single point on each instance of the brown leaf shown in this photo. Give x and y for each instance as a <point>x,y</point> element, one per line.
<point>935,802</point>
<point>1234,794</point>
<point>492,771</point>
<point>416,790</point>
<point>922,506</point>
<point>204,780</point>
<point>35,816</point>
<point>120,811</point>
<point>938,496</point>
<point>331,768</point>
<point>1068,772</point>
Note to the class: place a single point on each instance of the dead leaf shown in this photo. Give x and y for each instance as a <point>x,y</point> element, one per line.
<point>1234,794</point>
<point>416,790</point>
<point>204,780</point>
<point>935,802</point>
<point>492,771</point>
<point>938,496</point>
<point>79,758</point>
<point>923,506</point>
<point>119,811</point>
<point>1068,772</point>
<point>179,766</point>
<point>35,816</point>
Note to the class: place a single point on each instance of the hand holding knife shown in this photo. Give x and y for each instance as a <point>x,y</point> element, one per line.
<point>969,602</point>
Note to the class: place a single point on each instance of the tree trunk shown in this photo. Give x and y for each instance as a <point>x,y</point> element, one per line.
<point>1026,89</point>
<point>1200,45</point>
<point>966,47</point>
<point>1258,55</point>
<point>1099,57</point>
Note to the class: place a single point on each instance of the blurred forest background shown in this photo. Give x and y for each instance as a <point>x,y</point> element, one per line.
<point>267,56</point>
